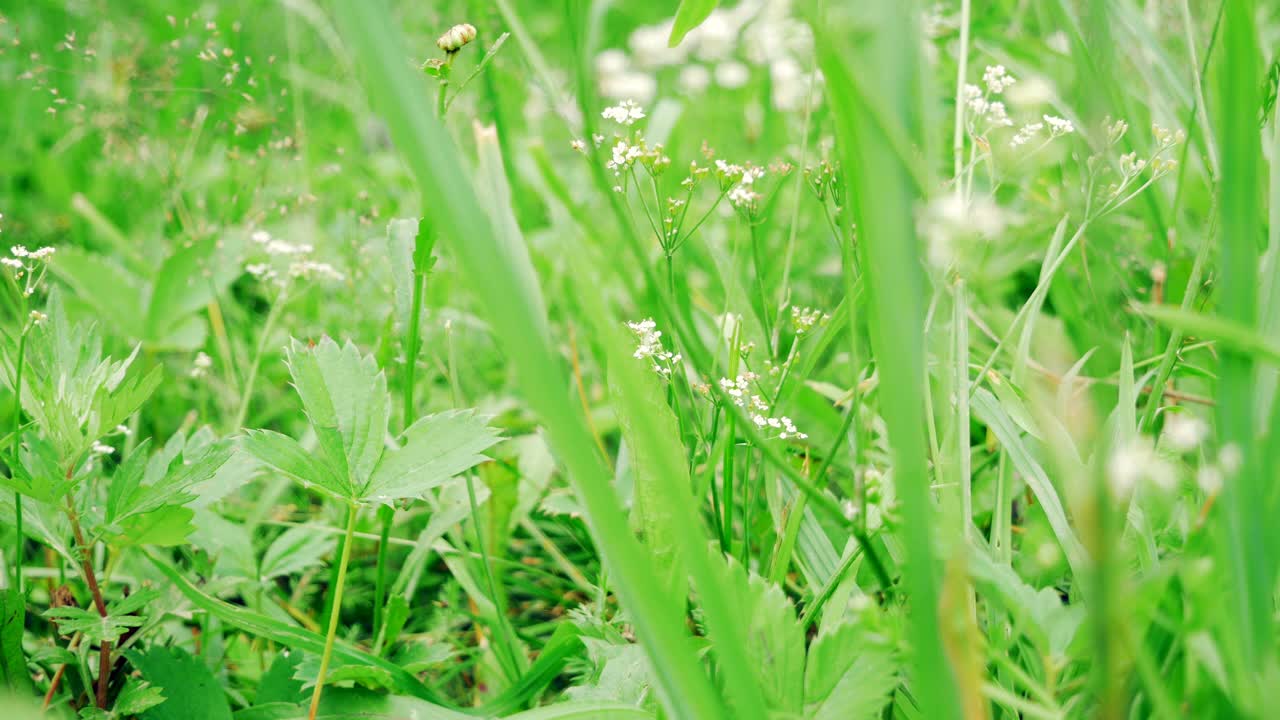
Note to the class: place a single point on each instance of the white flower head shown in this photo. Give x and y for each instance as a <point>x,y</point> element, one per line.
<point>1183,432</point>
<point>1136,462</point>
<point>997,79</point>
<point>1059,126</point>
<point>626,112</point>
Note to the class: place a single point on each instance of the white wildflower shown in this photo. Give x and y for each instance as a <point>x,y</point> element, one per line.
<point>743,197</point>
<point>200,365</point>
<point>626,112</point>
<point>1137,462</point>
<point>732,75</point>
<point>578,145</point>
<point>14,263</point>
<point>650,347</point>
<point>997,79</point>
<point>805,319</point>
<point>693,79</point>
<point>38,318</point>
<point>101,448</point>
<point>1183,432</point>
<point>1058,126</point>
<point>1025,134</point>
<point>308,269</point>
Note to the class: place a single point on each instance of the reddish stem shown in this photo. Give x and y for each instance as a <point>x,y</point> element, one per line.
<point>86,565</point>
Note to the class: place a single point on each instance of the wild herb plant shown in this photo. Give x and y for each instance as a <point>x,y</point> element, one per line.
<point>619,360</point>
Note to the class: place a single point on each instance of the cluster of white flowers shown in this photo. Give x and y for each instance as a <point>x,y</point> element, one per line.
<point>997,79</point>
<point>625,155</point>
<point>29,266</point>
<point>1137,461</point>
<point>1025,134</point>
<point>981,106</point>
<point>38,318</point>
<point>1183,432</point>
<point>718,50</point>
<point>650,347</point>
<point>101,448</point>
<point>1059,126</point>
<point>805,319</point>
<point>740,393</point>
<point>200,365</point>
<point>626,112</point>
<point>300,267</point>
<point>949,219</point>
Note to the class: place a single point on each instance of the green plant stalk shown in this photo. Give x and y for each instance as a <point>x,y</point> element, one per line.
<point>91,578</point>
<point>387,513</point>
<point>730,445</point>
<point>335,609</point>
<point>19,538</point>
<point>506,645</point>
<point>251,379</point>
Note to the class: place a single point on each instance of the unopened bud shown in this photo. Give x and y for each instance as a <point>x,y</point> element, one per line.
<point>457,36</point>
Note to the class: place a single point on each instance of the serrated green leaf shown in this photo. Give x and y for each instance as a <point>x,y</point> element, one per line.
<point>95,627</point>
<point>137,697</point>
<point>848,676</point>
<point>434,449</point>
<point>284,455</point>
<point>774,640</point>
<point>345,397</point>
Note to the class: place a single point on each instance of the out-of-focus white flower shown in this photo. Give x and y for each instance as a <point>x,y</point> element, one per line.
<point>1134,462</point>
<point>1183,432</point>
<point>732,74</point>
<point>716,37</point>
<point>693,79</point>
<point>949,219</point>
<point>629,84</point>
<point>1025,134</point>
<point>649,49</point>
<point>200,365</point>
<point>101,449</point>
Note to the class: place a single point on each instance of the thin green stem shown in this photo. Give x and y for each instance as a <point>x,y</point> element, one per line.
<point>19,538</point>
<point>335,609</point>
<point>246,393</point>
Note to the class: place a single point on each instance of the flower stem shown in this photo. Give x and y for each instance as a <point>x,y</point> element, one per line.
<point>334,610</point>
<point>247,392</point>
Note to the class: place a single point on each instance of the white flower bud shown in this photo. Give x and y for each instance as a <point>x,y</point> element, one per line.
<point>457,36</point>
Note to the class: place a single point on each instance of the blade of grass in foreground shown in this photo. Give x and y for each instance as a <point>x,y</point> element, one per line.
<point>496,272</point>
<point>1249,601</point>
<point>882,192</point>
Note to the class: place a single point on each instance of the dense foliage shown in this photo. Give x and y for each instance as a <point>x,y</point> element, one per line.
<point>785,359</point>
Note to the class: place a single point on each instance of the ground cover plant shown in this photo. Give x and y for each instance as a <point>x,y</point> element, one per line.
<point>580,359</point>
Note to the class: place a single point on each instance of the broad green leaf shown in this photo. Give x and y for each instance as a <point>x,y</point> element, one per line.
<point>591,710</point>
<point>622,674</point>
<point>849,675</point>
<point>774,639</point>
<point>345,396</point>
<point>192,276</point>
<point>166,526</point>
<point>190,690</point>
<point>690,15</point>
<point>284,455</point>
<point>434,449</point>
<point>13,664</point>
<point>112,291</point>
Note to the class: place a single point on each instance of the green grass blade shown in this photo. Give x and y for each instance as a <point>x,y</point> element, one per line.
<point>883,198</point>
<point>1250,603</point>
